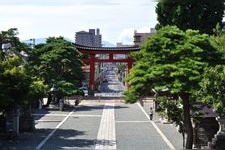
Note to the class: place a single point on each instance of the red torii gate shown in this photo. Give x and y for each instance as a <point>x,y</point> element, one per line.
<point>93,51</point>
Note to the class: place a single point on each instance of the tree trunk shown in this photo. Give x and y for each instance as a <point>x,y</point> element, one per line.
<point>187,120</point>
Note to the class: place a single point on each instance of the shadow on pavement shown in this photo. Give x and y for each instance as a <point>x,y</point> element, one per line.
<point>61,139</point>
<point>39,113</point>
<point>98,107</point>
<point>73,143</point>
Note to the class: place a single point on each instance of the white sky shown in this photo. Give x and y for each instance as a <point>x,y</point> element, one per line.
<point>116,19</point>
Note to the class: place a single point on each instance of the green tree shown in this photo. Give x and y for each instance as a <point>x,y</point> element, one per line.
<point>18,88</point>
<point>14,84</point>
<point>218,41</point>
<point>212,84</point>
<point>58,63</point>
<point>12,60</point>
<point>121,67</point>
<point>175,60</point>
<point>212,90</point>
<point>10,44</point>
<point>37,91</point>
<point>14,80</point>
<point>202,16</point>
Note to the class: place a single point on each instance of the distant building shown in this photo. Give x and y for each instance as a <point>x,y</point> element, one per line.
<point>122,45</point>
<point>140,38</point>
<point>90,38</point>
<point>121,56</point>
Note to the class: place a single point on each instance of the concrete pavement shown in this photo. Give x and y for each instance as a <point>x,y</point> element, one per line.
<point>98,124</point>
<point>168,129</point>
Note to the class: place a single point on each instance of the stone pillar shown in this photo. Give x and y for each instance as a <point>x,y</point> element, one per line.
<point>16,126</point>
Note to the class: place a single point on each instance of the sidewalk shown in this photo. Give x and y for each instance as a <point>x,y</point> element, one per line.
<point>168,129</point>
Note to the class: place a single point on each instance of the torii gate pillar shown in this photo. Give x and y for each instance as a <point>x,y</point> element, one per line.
<point>129,64</point>
<point>91,74</point>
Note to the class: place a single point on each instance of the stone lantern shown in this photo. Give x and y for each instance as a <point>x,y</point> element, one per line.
<point>54,99</point>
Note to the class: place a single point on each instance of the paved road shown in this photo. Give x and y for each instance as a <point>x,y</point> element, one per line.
<point>79,129</point>
<point>111,88</point>
<point>105,123</point>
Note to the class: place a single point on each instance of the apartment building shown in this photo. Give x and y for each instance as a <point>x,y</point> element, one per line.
<point>90,38</point>
<point>140,38</point>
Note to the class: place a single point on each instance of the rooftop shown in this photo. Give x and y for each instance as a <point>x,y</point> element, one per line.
<point>128,48</point>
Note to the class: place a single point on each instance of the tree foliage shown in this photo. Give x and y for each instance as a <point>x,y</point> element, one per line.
<point>212,84</point>
<point>15,46</point>
<point>170,108</point>
<point>218,41</point>
<point>212,90</point>
<point>202,16</point>
<point>121,67</point>
<point>17,86</point>
<point>175,60</point>
<point>172,59</point>
<point>14,83</point>
<point>58,63</point>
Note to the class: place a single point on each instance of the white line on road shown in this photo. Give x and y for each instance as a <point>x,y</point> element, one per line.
<point>48,121</point>
<point>46,139</point>
<point>131,121</point>
<point>157,129</point>
<point>64,115</point>
<point>58,115</point>
<point>85,115</point>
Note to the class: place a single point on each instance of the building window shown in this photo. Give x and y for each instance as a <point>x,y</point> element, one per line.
<point>137,38</point>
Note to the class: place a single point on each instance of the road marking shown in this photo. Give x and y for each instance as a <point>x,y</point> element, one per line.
<point>48,121</point>
<point>48,137</point>
<point>59,115</point>
<point>131,121</point>
<point>106,138</point>
<point>157,128</point>
<point>63,115</point>
<point>85,115</point>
